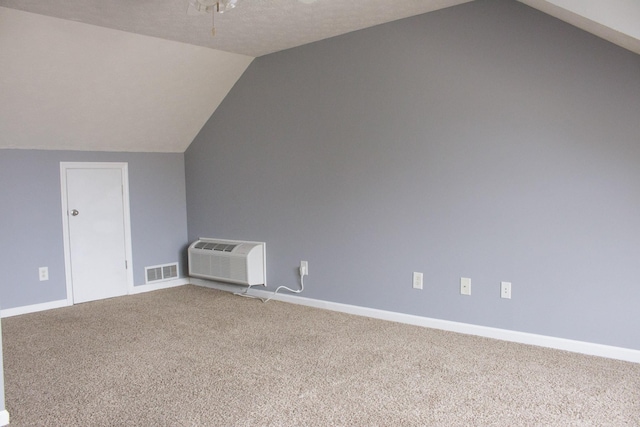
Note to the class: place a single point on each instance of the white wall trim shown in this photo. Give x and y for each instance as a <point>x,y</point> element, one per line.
<point>582,347</point>
<point>26,309</point>
<point>160,285</point>
<point>4,418</point>
<point>16,311</point>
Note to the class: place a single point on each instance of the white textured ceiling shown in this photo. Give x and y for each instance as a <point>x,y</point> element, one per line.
<point>253,28</point>
<point>259,27</point>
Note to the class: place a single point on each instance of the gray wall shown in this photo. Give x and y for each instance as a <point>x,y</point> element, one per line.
<point>31,218</point>
<point>487,140</point>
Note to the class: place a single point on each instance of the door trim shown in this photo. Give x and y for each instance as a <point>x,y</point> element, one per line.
<point>124,170</point>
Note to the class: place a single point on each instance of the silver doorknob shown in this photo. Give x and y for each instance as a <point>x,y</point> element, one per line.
<point>74,212</point>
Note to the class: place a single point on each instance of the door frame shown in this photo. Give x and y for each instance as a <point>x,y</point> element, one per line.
<point>124,170</point>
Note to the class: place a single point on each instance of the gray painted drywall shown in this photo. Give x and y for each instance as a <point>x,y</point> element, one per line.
<point>486,140</point>
<point>31,218</point>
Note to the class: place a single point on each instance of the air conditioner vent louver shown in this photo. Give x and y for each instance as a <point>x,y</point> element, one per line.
<point>221,247</point>
<point>228,261</point>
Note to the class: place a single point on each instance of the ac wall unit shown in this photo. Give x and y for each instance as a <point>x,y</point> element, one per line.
<point>232,261</point>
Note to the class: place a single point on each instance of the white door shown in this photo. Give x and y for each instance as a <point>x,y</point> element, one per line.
<point>95,209</point>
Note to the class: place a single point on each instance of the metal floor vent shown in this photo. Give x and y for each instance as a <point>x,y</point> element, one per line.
<point>159,273</point>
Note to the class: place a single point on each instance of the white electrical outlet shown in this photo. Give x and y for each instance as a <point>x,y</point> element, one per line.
<point>465,286</point>
<point>43,273</point>
<point>505,290</point>
<point>417,280</point>
<point>304,268</point>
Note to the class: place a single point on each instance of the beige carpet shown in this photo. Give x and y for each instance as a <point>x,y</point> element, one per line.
<point>191,356</point>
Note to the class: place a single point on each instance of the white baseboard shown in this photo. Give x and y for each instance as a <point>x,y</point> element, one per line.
<point>16,311</point>
<point>4,418</point>
<point>9,312</point>
<point>582,347</point>
<point>160,285</point>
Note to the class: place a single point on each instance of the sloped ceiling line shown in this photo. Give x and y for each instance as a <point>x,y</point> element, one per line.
<point>129,77</point>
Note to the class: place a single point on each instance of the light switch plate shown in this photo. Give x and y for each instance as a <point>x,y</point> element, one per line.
<point>465,286</point>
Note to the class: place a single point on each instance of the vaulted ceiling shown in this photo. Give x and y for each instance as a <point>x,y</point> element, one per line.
<point>125,75</point>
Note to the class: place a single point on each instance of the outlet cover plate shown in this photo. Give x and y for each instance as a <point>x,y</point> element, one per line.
<point>417,280</point>
<point>505,290</point>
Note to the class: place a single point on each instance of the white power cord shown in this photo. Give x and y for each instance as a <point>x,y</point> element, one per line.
<point>295,291</point>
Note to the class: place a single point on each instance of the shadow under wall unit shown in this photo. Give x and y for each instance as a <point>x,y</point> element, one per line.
<point>233,261</point>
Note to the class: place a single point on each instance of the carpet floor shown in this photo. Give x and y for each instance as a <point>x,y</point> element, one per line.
<point>191,356</point>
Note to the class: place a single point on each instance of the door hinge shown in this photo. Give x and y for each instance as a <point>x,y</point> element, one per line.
<point>126,265</point>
